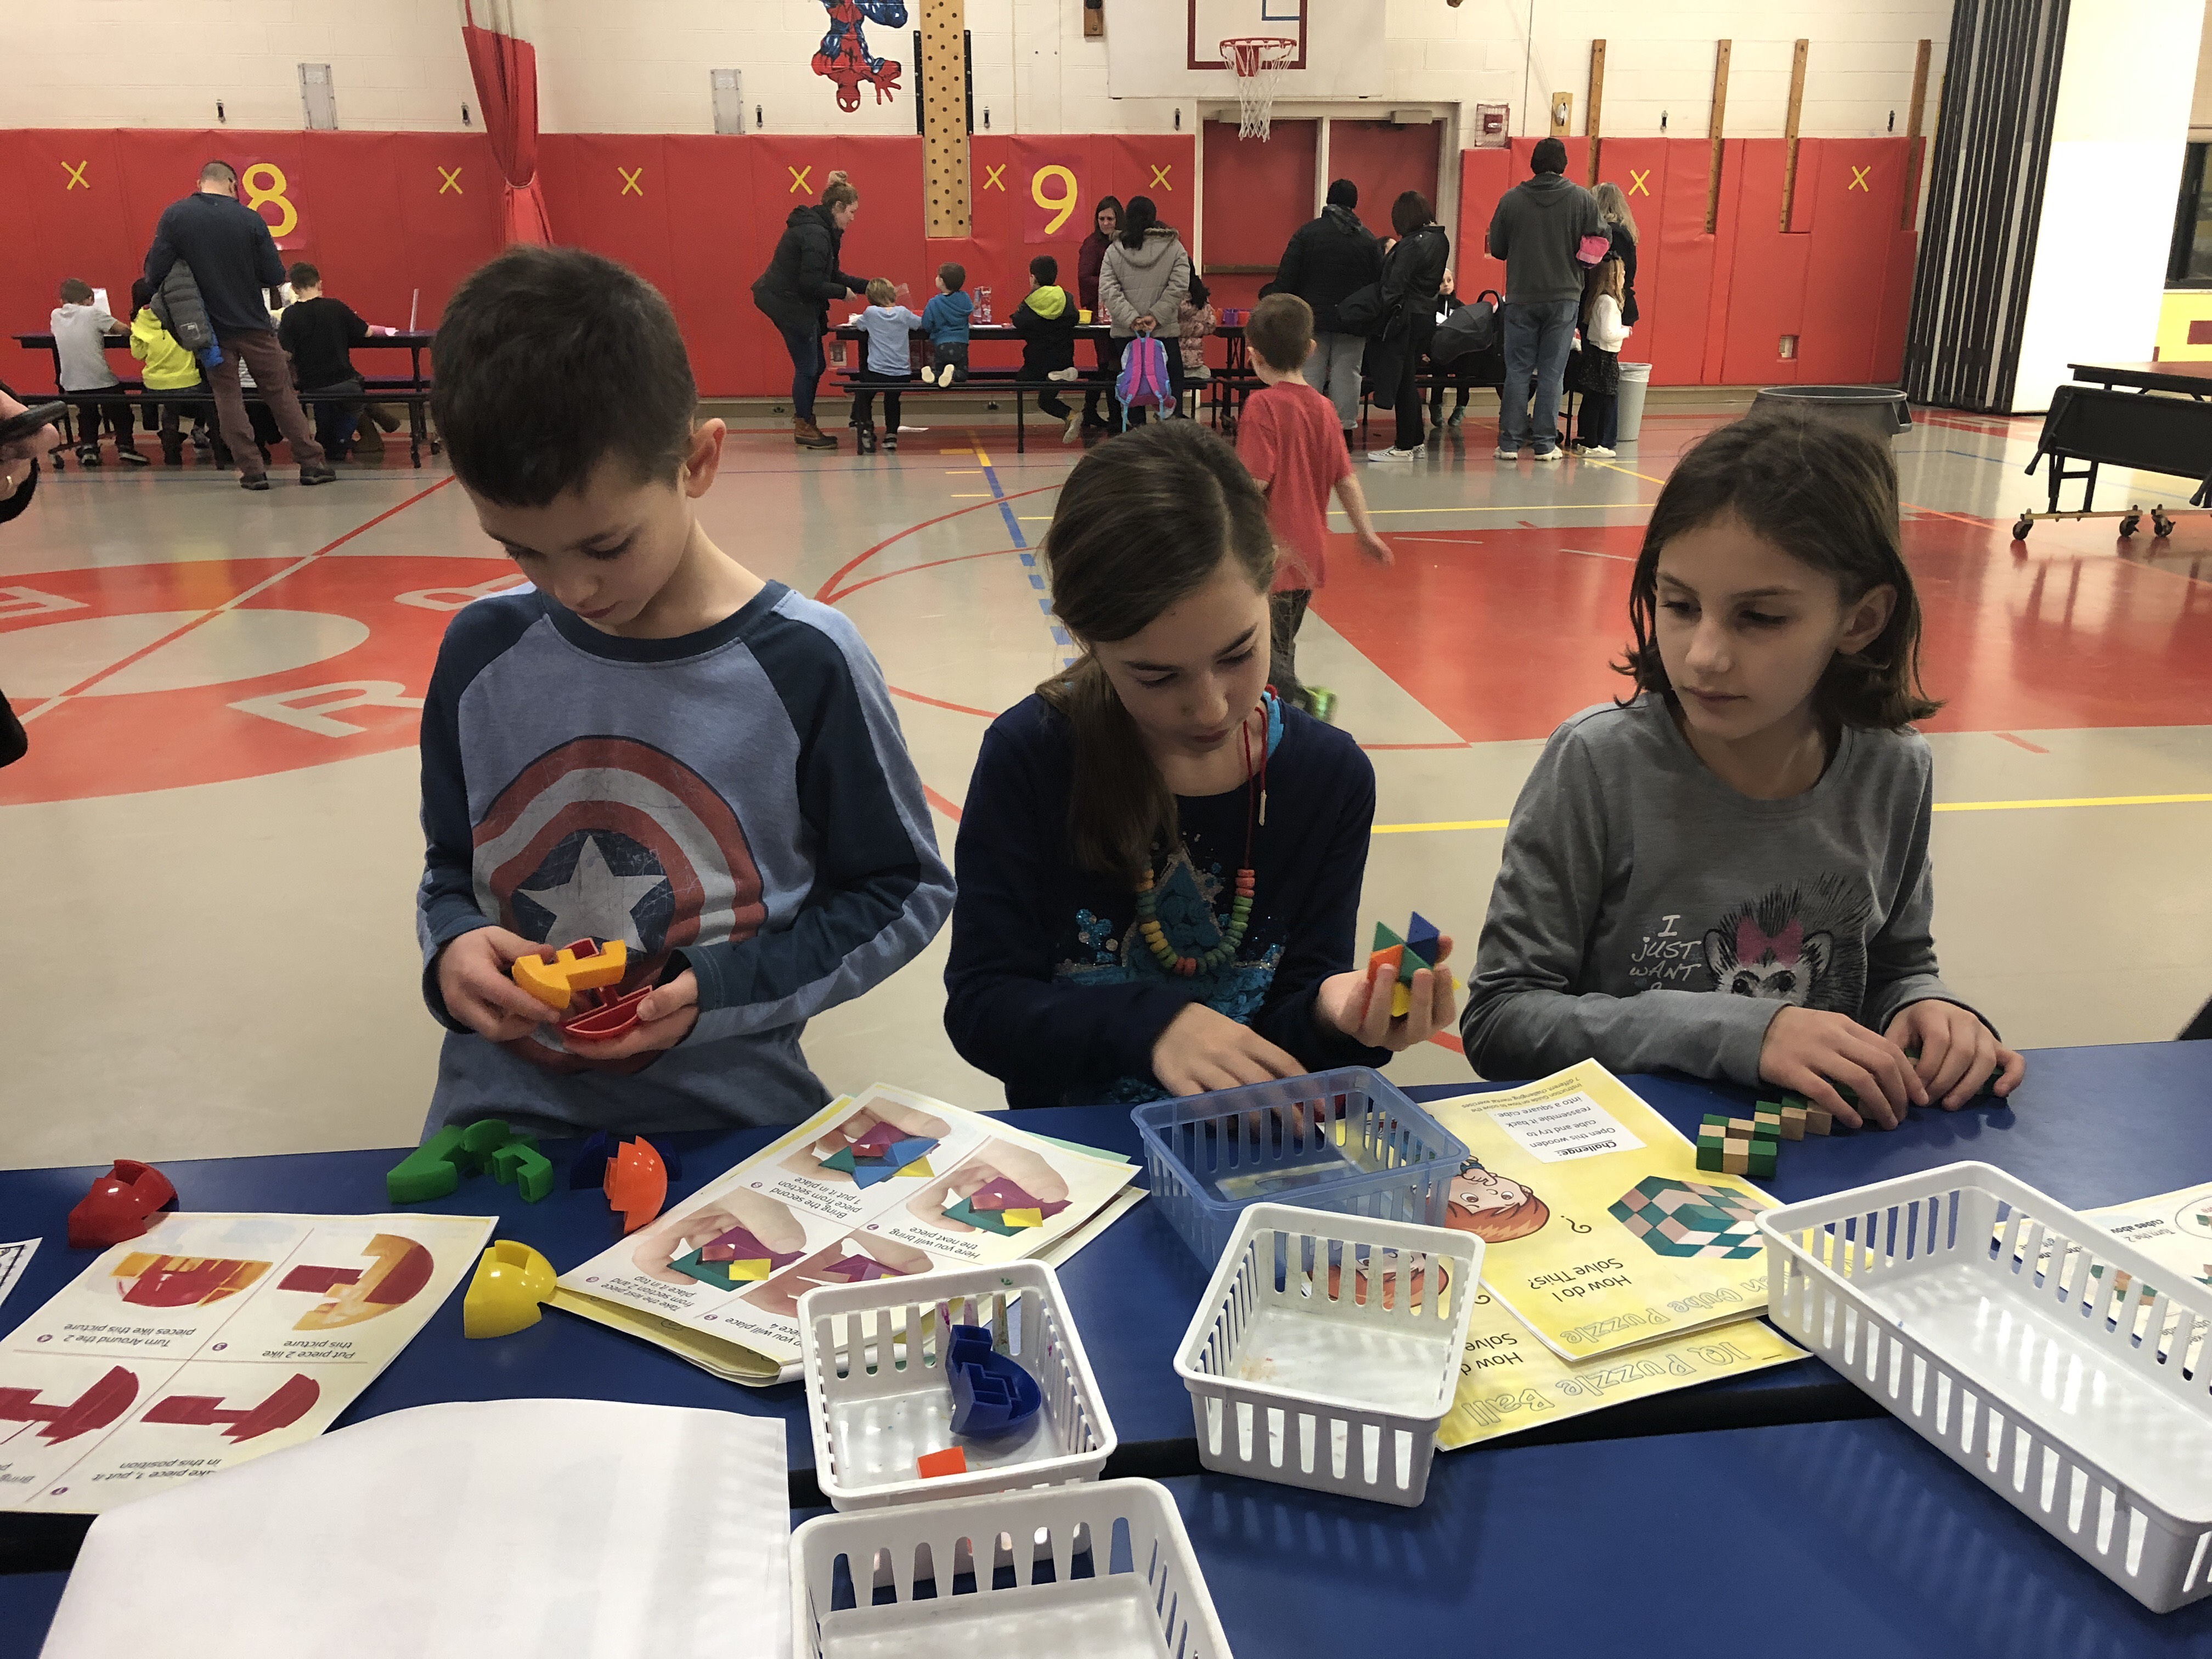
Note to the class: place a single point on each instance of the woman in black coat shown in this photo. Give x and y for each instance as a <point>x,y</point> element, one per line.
<point>1327,260</point>
<point>796,289</point>
<point>1413,273</point>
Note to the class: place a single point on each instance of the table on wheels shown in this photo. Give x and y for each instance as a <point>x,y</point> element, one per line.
<point>1773,1480</point>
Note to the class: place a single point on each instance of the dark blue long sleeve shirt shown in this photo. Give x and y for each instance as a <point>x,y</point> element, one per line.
<point>1050,986</point>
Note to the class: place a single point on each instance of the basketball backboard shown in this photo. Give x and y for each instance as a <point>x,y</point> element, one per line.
<point>1172,48</point>
<point>1211,22</point>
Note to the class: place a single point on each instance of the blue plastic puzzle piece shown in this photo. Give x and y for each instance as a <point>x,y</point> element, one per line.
<point>590,1169</point>
<point>1422,936</point>
<point>867,1174</point>
<point>992,1393</point>
<point>903,1152</point>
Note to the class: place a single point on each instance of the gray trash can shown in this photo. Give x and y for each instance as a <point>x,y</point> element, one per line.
<point>1880,409</point>
<point>1634,378</point>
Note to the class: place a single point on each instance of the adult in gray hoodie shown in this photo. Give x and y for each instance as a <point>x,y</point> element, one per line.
<point>1141,283</point>
<point>1536,229</point>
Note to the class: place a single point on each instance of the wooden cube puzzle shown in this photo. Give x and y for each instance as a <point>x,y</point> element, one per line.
<point>1819,1120</point>
<point>1737,1145</point>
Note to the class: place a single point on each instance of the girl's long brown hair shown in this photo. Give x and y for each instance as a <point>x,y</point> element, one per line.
<point>1826,494</point>
<point>1144,521</point>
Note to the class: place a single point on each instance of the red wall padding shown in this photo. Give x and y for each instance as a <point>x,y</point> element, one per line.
<point>1716,306</point>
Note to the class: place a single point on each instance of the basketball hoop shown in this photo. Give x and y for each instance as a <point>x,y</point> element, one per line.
<point>1258,61</point>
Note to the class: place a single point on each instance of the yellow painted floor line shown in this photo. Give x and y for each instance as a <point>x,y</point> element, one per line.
<point>1941,806</point>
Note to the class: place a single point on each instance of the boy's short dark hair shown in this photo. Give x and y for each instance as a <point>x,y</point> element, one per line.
<point>550,359</point>
<point>141,295</point>
<point>954,276</point>
<point>304,275</point>
<point>75,291</point>
<point>1044,270</point>
<point>1550,155</point>
<point>1280,331</point>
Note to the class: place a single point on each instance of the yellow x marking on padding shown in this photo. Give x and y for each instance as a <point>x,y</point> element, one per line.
<point>1160,171</point>
<point>1859,178</point>
<point>449,180</point>
<point>77,175</point>
<point>797,177</point>
<point>993,176</point>
<point>1637,184</point>
<point>630,186</point>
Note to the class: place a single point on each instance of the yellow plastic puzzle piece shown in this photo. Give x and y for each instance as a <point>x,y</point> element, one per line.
<point>554,977</point>
<point>920,1167</point>
<point>1402,1000</point>
<point>1023,1218</point>
<point>511,1279</point>
<point>752,1272</point>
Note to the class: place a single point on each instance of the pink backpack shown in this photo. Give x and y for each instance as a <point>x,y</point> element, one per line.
<point>1144,377</point>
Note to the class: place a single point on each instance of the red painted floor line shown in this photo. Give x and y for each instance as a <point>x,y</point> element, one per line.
<point>232,604</point>
<point>828,587</point>
<point>1449,1040</point>
<point>1376,747</point>
<point>908,571</point>
<point>941,804</point>
<point>939,703</point>
<point>2032,748</point>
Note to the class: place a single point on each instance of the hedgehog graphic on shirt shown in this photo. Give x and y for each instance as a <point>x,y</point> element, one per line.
<point>1803,944</point>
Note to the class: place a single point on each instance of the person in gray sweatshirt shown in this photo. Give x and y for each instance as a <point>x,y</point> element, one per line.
<point>1537,228</point>
<point>1728,873</point>
<point>1141,284</point>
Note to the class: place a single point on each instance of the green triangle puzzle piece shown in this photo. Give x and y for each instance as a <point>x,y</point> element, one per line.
<point>1384,938</point>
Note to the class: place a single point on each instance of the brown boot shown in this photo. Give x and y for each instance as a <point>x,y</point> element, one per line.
<point>807,436</point>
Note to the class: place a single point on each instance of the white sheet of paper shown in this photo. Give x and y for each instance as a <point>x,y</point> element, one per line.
<point>13,1258</point>
<point>489,1530</point>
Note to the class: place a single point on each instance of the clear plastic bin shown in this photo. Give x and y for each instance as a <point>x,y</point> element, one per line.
<point>1299,1377</point>
<point>2060,1367</point>
<point>1345,1141</point>
<point>1103,1570</point>
<point>878,1399</point>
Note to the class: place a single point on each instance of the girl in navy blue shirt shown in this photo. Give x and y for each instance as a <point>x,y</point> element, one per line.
<point>1158,864</point>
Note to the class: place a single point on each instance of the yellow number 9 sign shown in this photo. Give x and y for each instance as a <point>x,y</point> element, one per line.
<point>1058,203</point>
<point>264,183</point>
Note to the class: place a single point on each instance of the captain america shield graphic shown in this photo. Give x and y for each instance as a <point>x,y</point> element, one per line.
<point>611,839</point>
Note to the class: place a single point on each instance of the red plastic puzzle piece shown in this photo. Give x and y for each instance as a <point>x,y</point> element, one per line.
<point>292,1399</point>
<point>636,1183</point>
<point>953,1460</point>
<point>95,1408</point>
<point>605,1018</point>
<point>118,1205</point>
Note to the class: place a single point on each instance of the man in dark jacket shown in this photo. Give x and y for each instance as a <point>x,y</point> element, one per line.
<point>234,259</point>
<point>795,291</point>
<point>1537,230</point>
<point>1328,259</point>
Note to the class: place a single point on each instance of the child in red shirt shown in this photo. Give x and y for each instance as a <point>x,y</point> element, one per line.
<point>1289,438</point>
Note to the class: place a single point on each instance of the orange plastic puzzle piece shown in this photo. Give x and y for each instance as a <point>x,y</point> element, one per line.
<point>554,977</point>
<point>951,1461</point>
<point>1394,956</point>
<point>636,1183</point>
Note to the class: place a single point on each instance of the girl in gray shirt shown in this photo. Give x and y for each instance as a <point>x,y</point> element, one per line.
<point>1728,874</point>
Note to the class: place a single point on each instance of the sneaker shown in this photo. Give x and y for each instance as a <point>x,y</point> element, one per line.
<point>890,441</point>
<point>1505,454</point>
<point>1548,454</point>
<point>1094,423</point>
<point>1457,416</point>
<point>1599,451</point>
<point>318,475</point>
<point>130,457</point>
<point>865,440</point>
<point>945,375</point>
<point>258,481</point>
<point>1392,454</point>
<point>1063,375</point>
<point>1073,431</point>
<point>87,458</point>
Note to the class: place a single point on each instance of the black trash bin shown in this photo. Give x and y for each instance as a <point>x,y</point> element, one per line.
<point>1880,408</point>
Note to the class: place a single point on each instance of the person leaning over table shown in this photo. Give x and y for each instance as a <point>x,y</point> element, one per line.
<point>795,291</point>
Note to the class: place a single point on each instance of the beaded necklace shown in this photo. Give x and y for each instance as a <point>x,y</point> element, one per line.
<point>1240,911</point>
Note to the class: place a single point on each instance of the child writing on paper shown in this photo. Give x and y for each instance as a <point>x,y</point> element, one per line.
<point>1728,873</point>
<point>889,326</point>
<point>1159,863</point>
<point>1289,440</point>
<point>648,744</point>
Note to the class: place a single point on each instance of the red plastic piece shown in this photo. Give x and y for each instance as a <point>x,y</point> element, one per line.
<point>636,1183</point>
<point>293,1399</point>
<point>118,1205</point>
<point>95,1408</point>
<point>612,1016</point>
<point>951,1461</point>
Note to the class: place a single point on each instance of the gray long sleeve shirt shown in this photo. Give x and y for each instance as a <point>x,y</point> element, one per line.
<point>1649,916</point>
<point>1535,228</point>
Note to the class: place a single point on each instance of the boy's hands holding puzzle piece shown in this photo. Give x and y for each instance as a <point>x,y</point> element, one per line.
<point>476,979</point>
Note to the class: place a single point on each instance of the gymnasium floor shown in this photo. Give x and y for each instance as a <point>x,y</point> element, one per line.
<point>207,862</point>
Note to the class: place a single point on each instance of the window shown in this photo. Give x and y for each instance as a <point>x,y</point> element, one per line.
<point>2189,260</point>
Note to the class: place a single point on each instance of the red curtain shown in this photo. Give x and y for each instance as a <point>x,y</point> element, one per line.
<point>505,68</point>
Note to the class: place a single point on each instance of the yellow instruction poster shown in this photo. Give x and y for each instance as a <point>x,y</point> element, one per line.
<point>210,1340</point>
<point>1602,1232</point>
<point>879,1187</point>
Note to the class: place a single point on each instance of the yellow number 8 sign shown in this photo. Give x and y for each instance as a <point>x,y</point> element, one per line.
<point>263,183</point>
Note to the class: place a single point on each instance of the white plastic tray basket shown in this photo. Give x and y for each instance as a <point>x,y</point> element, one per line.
<point>1309,1362</point>
<point>1103,1570</point>
<point>2061,1367</point>
<point>878,1399</point>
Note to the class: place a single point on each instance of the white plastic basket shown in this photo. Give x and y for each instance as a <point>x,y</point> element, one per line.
<point>1104,1569</point>
<point>2061,1367</point>
<point>1338,1389</point>
<point>878,1398</point>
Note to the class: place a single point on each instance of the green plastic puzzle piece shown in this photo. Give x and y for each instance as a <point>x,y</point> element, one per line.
<point>431,1171</point>
<point>1384,938</point>
<point>986,1219</point>
<point>706,1272</point>
<point>842,1159</point>
<point>520,1165</point>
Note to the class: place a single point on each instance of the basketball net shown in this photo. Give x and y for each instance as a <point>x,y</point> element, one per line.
<point>1258,63</point>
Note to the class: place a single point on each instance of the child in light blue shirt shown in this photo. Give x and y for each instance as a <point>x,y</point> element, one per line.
<point>887,325</point>
<point>946,317</point>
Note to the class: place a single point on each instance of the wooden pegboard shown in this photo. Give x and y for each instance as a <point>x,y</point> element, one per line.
<point>944,116</point>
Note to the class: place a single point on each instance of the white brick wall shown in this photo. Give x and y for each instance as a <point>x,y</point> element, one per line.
<point>642,65</point>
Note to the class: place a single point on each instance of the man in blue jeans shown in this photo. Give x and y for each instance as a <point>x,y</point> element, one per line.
<point>1538,229</point>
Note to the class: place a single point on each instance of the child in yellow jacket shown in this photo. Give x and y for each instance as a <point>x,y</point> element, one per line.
<point>169,367</point>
